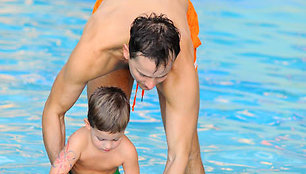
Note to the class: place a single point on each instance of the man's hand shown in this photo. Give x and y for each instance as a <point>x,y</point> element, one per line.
<point>68,156</point>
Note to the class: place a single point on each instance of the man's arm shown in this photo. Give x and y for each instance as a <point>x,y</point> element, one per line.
<point>64,93</point>
<point>90,59</point>
<point>179,101</point>
<point>68,156</point>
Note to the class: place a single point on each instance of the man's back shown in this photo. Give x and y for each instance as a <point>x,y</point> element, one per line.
<point>112,20</point>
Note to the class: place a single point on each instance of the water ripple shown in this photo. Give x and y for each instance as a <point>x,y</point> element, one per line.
<point>252,71</point>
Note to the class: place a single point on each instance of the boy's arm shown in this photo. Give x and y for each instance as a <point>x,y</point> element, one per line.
<point>68,156</point>
<point>130,164</point>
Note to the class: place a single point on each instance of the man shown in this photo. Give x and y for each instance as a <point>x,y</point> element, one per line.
<point>106,55</point>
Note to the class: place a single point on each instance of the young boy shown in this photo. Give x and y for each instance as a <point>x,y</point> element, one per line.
<point>100,146</point>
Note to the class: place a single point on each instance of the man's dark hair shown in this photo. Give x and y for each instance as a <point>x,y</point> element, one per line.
<point>108,110</point>
<point>154,37</point>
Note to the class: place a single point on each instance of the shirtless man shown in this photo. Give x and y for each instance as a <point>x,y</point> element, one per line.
<point>103,57</point>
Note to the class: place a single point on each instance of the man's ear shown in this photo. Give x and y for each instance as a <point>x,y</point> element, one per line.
<point>126,52</point>
<point>87,125</point>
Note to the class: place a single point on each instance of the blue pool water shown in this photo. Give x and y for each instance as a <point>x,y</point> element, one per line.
<point>252,71</point>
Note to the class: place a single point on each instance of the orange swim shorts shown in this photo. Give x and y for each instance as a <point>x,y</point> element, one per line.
<point>193,23</point>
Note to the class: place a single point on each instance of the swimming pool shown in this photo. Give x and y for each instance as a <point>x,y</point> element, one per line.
<point>252,71</point>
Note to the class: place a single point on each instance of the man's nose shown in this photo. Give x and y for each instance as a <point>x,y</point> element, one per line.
<point>150,84</point>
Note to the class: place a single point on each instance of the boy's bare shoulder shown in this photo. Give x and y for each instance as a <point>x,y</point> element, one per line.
<point>79,137</point>
<point>127,149</point>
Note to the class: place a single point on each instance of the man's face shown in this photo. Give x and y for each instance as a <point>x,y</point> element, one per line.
<point>146,74</point>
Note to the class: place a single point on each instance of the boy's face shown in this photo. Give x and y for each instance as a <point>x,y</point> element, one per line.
<point>105,141</point>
